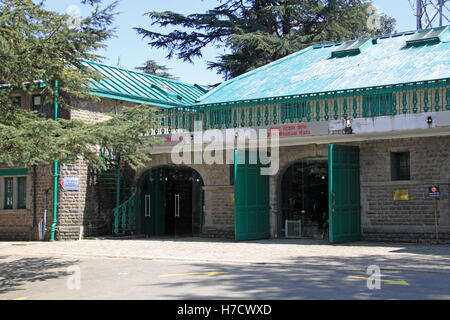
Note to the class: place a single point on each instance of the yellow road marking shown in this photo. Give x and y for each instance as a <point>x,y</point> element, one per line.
<point>20,299</point>
<point>193,274</point>
<point>399,283</point>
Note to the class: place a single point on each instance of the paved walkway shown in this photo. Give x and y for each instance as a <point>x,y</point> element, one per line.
<point>358,255</point>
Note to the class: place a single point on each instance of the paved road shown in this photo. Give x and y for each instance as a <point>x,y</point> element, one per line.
<point>48,277</point>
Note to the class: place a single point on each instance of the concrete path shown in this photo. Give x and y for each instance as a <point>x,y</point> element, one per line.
<point>358,255</point>
<point>47,278</point>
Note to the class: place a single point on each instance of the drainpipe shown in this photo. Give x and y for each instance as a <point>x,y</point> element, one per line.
<point>55,169</point>
<point>118,186</point>
<point>35,222</point>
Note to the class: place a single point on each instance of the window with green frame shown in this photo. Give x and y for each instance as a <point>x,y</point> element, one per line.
<point>21,193</point>
<point>401,166</point>
<point>9,192</point>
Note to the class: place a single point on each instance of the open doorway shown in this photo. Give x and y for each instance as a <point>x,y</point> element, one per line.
<point>304,200</point>
<point>171,202</point>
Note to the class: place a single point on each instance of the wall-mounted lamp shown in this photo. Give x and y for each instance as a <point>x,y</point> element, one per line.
<point>430,121</point>
<point>348,127</point>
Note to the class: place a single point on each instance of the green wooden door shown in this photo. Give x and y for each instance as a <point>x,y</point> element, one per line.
<point>153,197</point>
<point>252,214</point>
<point>344,198</point>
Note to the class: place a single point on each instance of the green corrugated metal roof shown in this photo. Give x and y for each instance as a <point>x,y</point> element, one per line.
<point>140,87</point>
<point>313,70</point>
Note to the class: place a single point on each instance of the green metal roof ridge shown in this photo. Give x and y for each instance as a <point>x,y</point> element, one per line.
<point>386,36</point>
<point>140,73</point>
<point>247,74</point>
<point>129,85</point>
<point>322,93</point>
<point>130,98</point>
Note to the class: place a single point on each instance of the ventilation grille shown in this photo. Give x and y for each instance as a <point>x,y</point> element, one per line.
<point>293,229</point>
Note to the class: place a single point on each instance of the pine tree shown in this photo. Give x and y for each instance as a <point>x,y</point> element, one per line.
<point>257,32</point>
<point>37,47</point>
<point>153,68</point>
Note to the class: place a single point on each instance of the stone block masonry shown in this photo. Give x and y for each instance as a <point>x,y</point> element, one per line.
<point>413,220</point>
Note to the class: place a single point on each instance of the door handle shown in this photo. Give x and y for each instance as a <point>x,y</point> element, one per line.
<point>148,212</point>
<point>177,206</point>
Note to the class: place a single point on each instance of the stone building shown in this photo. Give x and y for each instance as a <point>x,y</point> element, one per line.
<point>364,150</point>
<point>26,194</point>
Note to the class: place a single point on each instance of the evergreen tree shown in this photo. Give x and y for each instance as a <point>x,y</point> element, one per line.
<point>153,68</point>
<point>38,47</point>
<point>257,32</point>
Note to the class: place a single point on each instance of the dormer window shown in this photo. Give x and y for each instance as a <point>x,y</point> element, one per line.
<point>352,48</point>
<point>429,37</point>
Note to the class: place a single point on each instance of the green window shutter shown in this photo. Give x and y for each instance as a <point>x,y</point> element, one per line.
<point>22,193</point>
<point>8,204</point>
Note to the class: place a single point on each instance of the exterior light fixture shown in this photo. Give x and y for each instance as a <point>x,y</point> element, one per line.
<point>348,127</point>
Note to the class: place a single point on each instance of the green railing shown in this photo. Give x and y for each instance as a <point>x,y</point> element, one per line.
<point>125,218</point>
<point>362,103</point>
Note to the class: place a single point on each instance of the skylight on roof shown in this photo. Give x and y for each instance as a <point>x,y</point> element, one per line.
<point>169,92</point>
<point>429,36</point>
<point>352,48</point>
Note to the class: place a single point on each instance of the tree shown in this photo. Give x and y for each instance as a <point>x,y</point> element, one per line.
<point>257,32</point>
<point>37,47</point>
<point>151,67</point>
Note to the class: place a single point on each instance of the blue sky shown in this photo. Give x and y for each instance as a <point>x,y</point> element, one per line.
<point>133,51</point>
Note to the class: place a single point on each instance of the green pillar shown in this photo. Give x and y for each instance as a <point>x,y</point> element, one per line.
<point>55,169</point>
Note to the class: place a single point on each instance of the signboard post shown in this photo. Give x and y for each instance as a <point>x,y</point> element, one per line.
<point>435,193</point>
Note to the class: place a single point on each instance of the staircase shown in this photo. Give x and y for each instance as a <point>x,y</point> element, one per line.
<point>116,184</point>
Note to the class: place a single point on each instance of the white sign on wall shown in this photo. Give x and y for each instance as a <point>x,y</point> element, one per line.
<point>71,184</point>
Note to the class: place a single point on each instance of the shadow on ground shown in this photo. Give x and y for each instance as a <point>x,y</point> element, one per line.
<point>306,279</point>
<point>17,272</point>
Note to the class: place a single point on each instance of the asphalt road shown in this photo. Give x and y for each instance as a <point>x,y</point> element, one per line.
<point>90,278</point>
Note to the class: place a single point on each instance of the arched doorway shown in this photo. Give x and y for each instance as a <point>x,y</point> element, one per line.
<point>304,200</point>
<point>171,202</point>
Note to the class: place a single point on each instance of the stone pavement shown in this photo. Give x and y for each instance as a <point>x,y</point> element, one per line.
<point>358,255</point>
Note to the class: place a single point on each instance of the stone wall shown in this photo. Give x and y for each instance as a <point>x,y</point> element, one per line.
<point>79,212</point>
<point>412,220</point>
<point>19,224</point>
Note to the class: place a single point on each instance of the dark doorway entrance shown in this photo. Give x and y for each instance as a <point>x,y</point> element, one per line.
<point>304,194</point>
<point>171,202</point>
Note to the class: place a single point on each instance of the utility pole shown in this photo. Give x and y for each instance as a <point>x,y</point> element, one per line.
<point>431,13</point>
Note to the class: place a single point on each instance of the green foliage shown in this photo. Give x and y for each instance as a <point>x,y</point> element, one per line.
<point>37,47</point>
<point>257,32</point>
<point>153,68</point>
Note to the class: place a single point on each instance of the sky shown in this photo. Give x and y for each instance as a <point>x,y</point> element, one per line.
<point>130,50</point>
